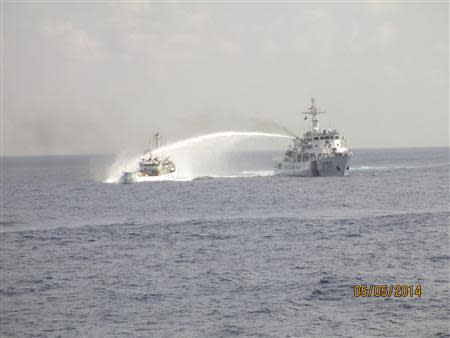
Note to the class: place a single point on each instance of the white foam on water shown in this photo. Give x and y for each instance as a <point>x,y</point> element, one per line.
<point>254,173</point>
<point>203,155</point>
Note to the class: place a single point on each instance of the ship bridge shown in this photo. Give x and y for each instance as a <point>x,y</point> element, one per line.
<point>319,142</point>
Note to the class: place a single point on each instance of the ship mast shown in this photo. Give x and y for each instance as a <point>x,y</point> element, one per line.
<point>156,139</point>
<point>314,111</point>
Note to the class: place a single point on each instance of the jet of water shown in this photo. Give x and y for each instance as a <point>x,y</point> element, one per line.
<point>208,137</point>
<point>195,156</point>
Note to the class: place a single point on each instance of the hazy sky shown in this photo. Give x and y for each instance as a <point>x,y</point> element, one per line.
<point>102,77</point>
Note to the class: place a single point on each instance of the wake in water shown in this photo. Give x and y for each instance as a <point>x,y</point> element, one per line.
<point>396,167</point>
<point>198,156</point>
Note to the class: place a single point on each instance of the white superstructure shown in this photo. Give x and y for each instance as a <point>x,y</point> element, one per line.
<point>317,153</point>
<point>150,165</point>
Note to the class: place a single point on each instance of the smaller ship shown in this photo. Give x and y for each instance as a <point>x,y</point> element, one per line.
<point>150,165</point>
<point>317,153</point>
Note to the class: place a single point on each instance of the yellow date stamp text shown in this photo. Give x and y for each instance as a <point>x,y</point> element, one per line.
<point>393,290</point>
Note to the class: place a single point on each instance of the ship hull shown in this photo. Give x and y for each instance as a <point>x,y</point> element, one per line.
<point>164,170</point>
<point>329,166</point>
<point>133,176</point>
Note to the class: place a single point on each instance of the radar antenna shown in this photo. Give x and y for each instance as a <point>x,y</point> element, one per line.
<point>314,111</point>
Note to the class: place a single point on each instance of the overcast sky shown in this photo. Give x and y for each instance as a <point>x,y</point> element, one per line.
<point>102,77</point>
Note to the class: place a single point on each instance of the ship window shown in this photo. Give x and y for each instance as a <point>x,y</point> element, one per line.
<point>321,137</point>
<point>316,138</point>
<point>327,137</point>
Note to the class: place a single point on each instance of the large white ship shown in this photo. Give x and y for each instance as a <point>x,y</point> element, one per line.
<point>150,165</point>
<point>318,153</point>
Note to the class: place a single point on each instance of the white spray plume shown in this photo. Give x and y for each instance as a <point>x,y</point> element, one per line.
<point>202,155</point>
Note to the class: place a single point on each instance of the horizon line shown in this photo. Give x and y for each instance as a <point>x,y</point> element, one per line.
<point>114,154</point>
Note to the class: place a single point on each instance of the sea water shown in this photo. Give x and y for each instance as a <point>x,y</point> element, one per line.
<point>242,254</point>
